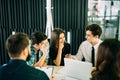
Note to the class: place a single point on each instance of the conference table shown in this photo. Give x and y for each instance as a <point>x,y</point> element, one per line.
<point>73,70</point>
<point>58,72</point>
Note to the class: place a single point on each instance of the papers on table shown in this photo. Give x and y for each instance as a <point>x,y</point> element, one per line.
<point>47,70</point>
<point>78,69</point>
<point>73,70</point>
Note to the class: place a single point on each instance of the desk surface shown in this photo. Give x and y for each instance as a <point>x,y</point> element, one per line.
<point>56,69</point>
<point>59,73</point>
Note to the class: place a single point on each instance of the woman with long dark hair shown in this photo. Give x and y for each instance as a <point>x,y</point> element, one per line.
<point>59,49</point>
<point>108,61</point>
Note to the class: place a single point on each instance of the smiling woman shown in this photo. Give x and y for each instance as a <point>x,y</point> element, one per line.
<point>58,47</point>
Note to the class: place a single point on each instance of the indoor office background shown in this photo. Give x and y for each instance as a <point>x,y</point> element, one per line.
<point>71,15</point>
<point>106,13</point>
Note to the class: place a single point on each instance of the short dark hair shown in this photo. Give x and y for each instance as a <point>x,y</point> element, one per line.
<point>37,37</point>
<point>16,43</point>
<point>95,29</point>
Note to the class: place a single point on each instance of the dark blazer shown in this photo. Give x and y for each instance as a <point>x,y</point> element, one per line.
<point>19,70</point>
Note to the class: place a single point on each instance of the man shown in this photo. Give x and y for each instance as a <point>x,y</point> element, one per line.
<point>39,50</point>
<point>19,51</point>
<point>93,33</point>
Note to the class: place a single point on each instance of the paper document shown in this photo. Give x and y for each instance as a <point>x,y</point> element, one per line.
<point>78,69</point>
<point>47,70</point>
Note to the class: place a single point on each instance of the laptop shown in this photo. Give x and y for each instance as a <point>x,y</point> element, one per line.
<point>78,70</point>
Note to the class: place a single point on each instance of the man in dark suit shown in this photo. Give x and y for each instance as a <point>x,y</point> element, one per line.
<point>19,51</point>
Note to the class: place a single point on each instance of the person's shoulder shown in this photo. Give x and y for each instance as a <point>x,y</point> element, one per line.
<point>36,71</point>
<point>31,68</point>
<point>39,73</point>
<point>24,70</point>
<point>32,49</point>
<point>85,42</point>
<point>2,67</point>
<point>67,44</point>
<point>100,40</point>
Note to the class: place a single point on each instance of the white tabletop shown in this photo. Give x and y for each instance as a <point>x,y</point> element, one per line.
<point>59,73</point>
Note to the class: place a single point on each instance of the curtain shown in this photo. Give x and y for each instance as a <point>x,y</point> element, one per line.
<point>20,16</point>
<point>30,15</point>
<point>71,16</point>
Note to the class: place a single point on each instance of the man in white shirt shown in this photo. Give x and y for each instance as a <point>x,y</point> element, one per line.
<point>93,33</point>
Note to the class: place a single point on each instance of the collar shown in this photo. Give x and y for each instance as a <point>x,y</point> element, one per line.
<point>96,46</point>
<point>17,61</point>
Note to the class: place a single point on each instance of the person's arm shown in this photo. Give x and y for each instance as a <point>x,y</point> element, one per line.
<point>41,61</point>
<point>57,61</point>
<point>52,78</point>
<point>79,55</point>
<point>45,63</point>
<point>46,59</point>
<point>47,55</point>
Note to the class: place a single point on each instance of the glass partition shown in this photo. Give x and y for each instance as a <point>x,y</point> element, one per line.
<point>106,14</point>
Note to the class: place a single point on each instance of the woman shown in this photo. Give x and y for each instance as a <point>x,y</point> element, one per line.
<point>108,61</point>
<point>59,49</point>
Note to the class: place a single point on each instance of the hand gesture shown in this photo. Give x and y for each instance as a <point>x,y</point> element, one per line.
<point>61,45</point>
<point>68,56</point>
<point>43,48</point>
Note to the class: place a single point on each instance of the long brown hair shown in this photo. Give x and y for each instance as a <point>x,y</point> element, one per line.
<point>55,37</point>
<point>108,61</point>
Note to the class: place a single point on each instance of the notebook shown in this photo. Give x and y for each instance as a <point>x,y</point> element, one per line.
<point>78,69</point>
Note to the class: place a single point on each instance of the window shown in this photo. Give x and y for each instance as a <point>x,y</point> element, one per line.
<point>105,13</point>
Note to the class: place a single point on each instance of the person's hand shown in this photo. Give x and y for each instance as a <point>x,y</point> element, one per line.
<point>61,45</point>
<point>68,56</point>
<point>43,48</point>
<point>52,78</point>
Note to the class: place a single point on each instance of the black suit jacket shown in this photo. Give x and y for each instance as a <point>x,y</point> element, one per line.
<point>19,70</point>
